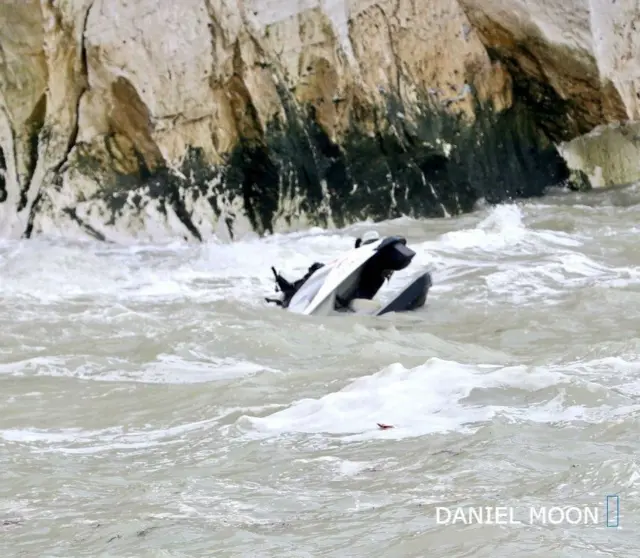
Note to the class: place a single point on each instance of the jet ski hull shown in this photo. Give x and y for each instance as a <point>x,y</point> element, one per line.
<point>350,282</point>
<point>412,297</point>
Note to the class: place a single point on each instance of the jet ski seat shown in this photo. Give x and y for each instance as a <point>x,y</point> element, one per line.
<point>392,255</point>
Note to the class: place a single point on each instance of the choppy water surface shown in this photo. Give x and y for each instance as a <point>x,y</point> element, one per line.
<point>154,405</point>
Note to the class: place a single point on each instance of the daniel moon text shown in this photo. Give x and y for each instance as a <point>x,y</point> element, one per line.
<point>604,515</point>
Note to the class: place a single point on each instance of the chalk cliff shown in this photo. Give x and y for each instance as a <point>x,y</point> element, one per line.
<point>152,120</point>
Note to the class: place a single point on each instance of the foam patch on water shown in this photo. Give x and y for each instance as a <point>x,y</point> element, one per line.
<point>210,272</point>
<point>175,370</point>
<point>504,230</point>
<point>497,248</point>
<point>552,276</point>
<point>417,399</point>
<point>338,466</point>
<point>166,369</point>
<point>617,373</point>
<point>81,441</point>
<point>428,399</point>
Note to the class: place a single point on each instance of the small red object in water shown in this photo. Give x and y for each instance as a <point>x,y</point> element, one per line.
<point>384,426</point>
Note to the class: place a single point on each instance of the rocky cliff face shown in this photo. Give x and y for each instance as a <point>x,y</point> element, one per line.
<point>150,119</point>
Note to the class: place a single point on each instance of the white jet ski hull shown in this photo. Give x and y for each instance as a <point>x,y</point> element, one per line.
<point>350,283</point>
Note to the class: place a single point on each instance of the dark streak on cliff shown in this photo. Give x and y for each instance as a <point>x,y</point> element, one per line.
<point>71,212</point>
<point>3,182</point>
<point>501,156</point>
<point>33,127</point>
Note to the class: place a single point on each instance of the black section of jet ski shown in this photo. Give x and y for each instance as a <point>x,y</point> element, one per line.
<point>414,296</point>
<point>391,255</point>
<point>289,289</point>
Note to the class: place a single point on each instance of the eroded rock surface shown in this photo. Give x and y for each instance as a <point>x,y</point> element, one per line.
<point>151,120</point>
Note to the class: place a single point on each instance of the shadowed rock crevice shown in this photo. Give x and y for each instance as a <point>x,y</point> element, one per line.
<point>32,128</point>
<point>3,182</point>
<point>129,117</point>
<point>37,133</point>
<point>560,86</point>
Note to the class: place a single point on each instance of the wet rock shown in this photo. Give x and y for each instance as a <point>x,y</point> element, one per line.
<point>142,120</point>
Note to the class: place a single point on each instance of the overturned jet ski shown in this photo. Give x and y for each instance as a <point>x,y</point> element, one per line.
<point>350,282</point>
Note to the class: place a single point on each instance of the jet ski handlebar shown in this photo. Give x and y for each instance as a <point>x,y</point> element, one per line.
<point>281,283</point>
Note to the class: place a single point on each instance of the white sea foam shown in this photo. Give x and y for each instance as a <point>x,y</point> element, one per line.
<point>435,398</point>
